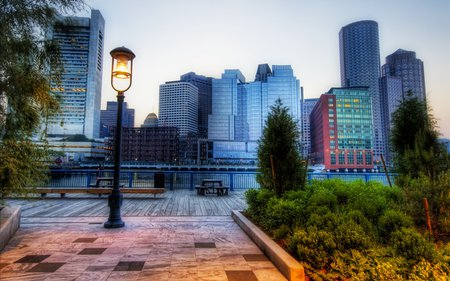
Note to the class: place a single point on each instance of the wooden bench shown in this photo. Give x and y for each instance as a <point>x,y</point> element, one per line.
<point>101,190</point>
<point>104,182</point>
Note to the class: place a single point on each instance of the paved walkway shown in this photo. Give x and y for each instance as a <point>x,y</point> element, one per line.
<point>147,248</point>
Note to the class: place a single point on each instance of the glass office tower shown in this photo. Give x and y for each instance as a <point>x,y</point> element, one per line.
<point>360,67</point>
<point>405,65</point>
<point>81,46</point>
<point>204,85</point>
<point>307,106</point>
<point>391,94</point>
<point>239,109</point>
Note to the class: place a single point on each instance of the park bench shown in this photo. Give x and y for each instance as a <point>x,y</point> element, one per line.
<point>100,190</point>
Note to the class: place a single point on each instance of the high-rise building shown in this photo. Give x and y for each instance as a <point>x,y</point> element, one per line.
<point>307,106</point>
<point>108,117</point>
<point>240,109</point>
<point>204,86</point>
<point>178,107</point>
<point>391,95</point>
<point>81,46</point>
<point>405,65</point>
<point>360,67</point>
<point>341,129</point>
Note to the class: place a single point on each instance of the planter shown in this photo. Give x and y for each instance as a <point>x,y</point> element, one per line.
<point>9,223</point>
<point>285,263</point>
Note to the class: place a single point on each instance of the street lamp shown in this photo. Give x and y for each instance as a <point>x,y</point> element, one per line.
<point>121,78</point>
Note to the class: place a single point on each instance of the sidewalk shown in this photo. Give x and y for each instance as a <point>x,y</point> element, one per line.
<point>147,248</point>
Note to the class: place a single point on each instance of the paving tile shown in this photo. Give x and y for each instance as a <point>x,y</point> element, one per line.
<point>255,257</point>
<point>46,267</point>
<point>129,266</point>
<point>153,276</point>
<point>238,275</point>
<point>32,258</point>
<point>85,240</point>
<point>92,251</point>
<point>204,245</point>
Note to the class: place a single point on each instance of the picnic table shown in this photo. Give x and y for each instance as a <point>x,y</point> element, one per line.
<point>212,186</point>
<point>103,182</point>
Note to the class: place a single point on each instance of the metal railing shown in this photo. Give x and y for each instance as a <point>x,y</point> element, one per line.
<point>188,179</point>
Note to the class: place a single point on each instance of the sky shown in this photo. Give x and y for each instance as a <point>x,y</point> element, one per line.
<point>173,37</point>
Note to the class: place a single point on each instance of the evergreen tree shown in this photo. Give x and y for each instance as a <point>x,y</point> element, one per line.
<point>25,93</point>
<point>422,163</point>
<point>280,164</point>
<point>414,140</point>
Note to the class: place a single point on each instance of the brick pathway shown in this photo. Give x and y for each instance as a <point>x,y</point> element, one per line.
<point>147,248</point>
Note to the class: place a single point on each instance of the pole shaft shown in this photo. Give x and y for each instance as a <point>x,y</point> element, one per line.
<point>118,142</point>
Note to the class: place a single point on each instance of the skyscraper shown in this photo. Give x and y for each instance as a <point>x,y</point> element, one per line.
<point>307,106</point>
<point>81,46</point>
<point>360,67</point>
<point>341,129</point>
<point>204,86</point>
<point>391,94</point>
<point>240,109</point>
<point>405,65</point>
<point>108,117</point>
<point>178,107</point>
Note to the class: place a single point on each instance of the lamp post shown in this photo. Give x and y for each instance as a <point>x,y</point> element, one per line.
<point>121,79</point>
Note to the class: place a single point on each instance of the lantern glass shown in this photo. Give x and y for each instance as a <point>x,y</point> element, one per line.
<point>122,69</point>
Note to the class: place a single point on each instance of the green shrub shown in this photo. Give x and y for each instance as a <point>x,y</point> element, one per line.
<point>313,246</point>
<point>393,220</point>
<point>412,245</point>
<point>352,236</point>
<point>257,200</point>
<point>281,212</point>
<point>282,232</point>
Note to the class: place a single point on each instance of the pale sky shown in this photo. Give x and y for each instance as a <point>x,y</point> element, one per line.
<point>172,37</point>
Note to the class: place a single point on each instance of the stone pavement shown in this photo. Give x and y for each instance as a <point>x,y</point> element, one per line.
<point>147,248</point>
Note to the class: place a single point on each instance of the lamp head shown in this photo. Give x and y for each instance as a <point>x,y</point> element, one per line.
<point>122,68</point>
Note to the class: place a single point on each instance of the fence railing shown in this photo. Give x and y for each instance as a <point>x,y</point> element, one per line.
<point>188,179</point>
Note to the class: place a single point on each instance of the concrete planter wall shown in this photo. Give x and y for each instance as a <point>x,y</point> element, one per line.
<point>9,223</point>
<point>285,263</point>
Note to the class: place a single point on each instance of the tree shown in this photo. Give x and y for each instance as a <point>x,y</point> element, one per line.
<point>25,92</point>
<point>280,165</point>
<point>414,140</point>
<point>422,163</point>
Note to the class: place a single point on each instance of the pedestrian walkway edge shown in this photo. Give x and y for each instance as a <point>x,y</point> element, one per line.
<point>285,263</point>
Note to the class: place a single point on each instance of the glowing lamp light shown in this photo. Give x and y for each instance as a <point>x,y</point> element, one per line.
<point>122,69</point>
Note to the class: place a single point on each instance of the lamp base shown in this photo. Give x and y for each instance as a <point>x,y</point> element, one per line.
<point>114,202</point>
<point>114,224</point>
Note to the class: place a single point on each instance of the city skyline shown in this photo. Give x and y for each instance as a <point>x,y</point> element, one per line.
<point>171,38</point>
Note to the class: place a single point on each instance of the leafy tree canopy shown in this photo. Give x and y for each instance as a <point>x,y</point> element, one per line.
<point>25,96</point>
<point>280,164</point>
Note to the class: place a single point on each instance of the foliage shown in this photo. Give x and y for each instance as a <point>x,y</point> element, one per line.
<point>280,164</point>
<point>25,92</point>
<point>423,164</point>
<point>437,192</point>
<point>348,231</point>
<point>15,173</point>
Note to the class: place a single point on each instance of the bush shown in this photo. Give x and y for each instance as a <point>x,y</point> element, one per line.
<point>393,220</point>
<point>313,246</point>
<point>412,245</point>
<point>257,200</point>
<point>281,212</point>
